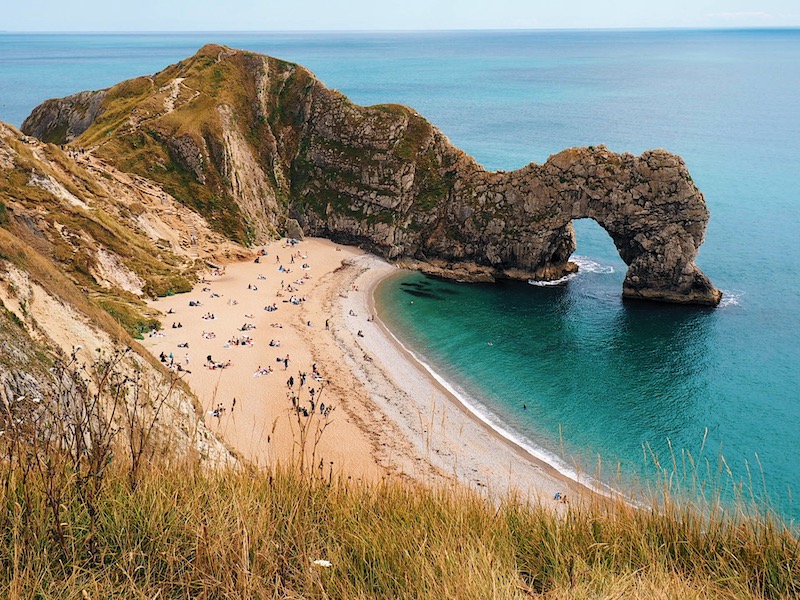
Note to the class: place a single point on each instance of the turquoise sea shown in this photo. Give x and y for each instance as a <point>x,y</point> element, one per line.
<point>574,370</point>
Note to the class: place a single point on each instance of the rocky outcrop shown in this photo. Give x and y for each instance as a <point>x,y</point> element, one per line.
<point>278,145</point>
<point>61,120</point>
<point>391,181</point>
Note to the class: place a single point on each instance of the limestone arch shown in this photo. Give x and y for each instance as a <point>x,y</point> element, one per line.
<point>649,207</point>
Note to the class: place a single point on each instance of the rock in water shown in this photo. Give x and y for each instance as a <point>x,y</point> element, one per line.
<point>250,141</point>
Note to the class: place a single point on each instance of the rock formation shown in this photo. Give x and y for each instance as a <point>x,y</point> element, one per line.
<point>251,141</point>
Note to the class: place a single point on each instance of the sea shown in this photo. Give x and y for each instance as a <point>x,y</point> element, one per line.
<point>631,394</point>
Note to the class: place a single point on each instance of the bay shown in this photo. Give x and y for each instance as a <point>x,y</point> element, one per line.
<point>597,376</point>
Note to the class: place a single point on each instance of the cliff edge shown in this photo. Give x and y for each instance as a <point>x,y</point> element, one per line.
<point>253,142</point>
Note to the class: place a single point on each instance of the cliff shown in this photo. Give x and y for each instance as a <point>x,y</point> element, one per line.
<point>251,142</point>
<point>81,246</point>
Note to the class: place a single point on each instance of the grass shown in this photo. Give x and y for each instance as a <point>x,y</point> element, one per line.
<point>86,513</point>
<point>83,513</point>
<point>187,532</point>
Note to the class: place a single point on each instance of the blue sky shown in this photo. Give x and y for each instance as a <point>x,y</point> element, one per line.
<point>304,15</point>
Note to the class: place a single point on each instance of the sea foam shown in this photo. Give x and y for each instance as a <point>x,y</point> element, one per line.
<point>730,299</point>
<point>585,265</point>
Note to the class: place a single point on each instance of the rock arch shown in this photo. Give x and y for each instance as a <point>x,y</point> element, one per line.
<point>648,205</point>
<point>385,178</point>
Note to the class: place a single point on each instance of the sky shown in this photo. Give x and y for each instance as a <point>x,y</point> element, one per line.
<point>373,15</point>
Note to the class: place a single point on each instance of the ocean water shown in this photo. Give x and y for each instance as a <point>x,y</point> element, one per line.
<point>573,369</point>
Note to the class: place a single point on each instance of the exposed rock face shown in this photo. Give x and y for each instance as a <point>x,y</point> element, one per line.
<point>278,144</point>
<point>436,205</point>
<point>74,115</point>
<point>293,229</point>
<point>80,242</point>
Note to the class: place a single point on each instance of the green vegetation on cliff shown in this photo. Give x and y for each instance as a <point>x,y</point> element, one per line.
<point>135,133</point>
<point>50,228</point>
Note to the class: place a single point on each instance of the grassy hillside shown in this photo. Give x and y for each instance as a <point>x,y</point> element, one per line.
<point>247,140</point>
<point>59,221</point>
<point>168,128</point>
<point>184,532</point>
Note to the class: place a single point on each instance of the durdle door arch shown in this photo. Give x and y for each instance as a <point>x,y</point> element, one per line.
<point>649,206</point>
<point>384,177</point>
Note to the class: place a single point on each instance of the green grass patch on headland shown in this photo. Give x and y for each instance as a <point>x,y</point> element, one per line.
<point>132,314</point>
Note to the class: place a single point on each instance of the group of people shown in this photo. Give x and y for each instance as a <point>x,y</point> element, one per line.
<point>244,340</point>
<point>214,364</point>
<point>297,383</point>
<point>172,364</point>
<point>260,371</point>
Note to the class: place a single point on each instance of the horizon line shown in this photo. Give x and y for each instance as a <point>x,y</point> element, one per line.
<point>379,30</point>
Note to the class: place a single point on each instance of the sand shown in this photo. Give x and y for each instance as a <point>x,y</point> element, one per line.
<point>390,417</point>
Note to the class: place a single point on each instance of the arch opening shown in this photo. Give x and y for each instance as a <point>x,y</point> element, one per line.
<point>594,243</point>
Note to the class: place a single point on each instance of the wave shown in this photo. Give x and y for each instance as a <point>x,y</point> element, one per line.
<point>560,281</point>
<point>585,265</point>
<point>730,299</point>
<point>490,420</point>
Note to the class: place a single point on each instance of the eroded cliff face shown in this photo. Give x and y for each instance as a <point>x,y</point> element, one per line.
<point>81,245</point>
<point>262,141</point>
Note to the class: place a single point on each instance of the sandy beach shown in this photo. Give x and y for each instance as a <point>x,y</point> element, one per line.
<point>384,414</point>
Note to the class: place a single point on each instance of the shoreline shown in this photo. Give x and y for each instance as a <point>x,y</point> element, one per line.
<point>481,444</point>
<point>396,416</point>
<point>559,468</point>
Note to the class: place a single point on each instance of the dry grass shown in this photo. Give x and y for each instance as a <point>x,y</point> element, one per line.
<point>185,532</point>
<point>85,514</point>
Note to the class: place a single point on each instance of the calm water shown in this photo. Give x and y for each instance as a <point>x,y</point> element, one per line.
<point>597,376</point>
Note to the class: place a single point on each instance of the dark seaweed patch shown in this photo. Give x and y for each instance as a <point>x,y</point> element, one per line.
<point>448,291</point>
<point>421,294</point>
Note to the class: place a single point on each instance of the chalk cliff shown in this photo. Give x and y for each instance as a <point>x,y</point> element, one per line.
<point>252,142</point>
